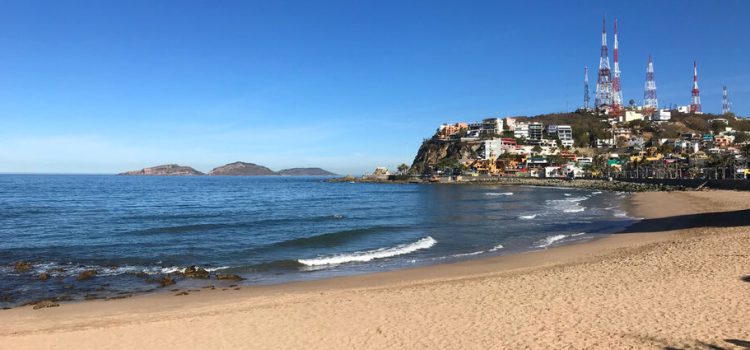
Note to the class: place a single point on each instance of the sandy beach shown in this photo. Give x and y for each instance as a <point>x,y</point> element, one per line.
<point>679,279</point>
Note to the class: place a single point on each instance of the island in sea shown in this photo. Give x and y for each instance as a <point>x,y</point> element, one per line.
<point>231,169</point>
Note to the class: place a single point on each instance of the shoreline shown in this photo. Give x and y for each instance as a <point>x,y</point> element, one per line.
<point>147,313</point>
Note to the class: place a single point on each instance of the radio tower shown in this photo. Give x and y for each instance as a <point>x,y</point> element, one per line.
<point>585,87</point>
<point>725,102</point>
<point>604,80</point>
<point>695,101</point>
<point>616,92</point>
<point>649,94</point>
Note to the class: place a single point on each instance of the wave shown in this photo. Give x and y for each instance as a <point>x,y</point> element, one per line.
<point>550,240</point>
<point>567,205</point>
<point>365,256</point>
<point>468,254</point>
<point>498,194</point>
<point>496,248</point>
<point>528,217</point>
<point>567,194</point>
<point>68,269</point>
<point>575,210</point>
<point>332,239</point>
<point>596,192</point>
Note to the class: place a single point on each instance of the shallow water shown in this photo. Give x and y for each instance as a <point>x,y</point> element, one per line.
<point>267,229</point>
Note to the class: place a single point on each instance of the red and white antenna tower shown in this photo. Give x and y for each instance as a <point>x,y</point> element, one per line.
<point>725,106</point>
<point>616,92</point>
<point>604,80</point>
<point>695,101</point>
<point>649,94</point>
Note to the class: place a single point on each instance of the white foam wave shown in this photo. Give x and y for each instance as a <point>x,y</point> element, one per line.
<point>567,194</point>
<point>596,192</point>
<point>424,243</point>
<point>467,254</point>
<point>60,270</point>
<point>575,210</point>
<point>498,194</point>
<point>549,240</point>
<point>496,248</point>
<point>528,217</point>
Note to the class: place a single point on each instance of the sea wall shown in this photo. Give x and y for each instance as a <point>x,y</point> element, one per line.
<point>737,185</point>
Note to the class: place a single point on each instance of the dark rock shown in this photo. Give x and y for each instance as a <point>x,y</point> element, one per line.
<point>45,304</point>
<point>43,276</point>
<point>193,272</point>
<point>91,296</point>
<point>22,266</point>
<point>229,277</point>
<point>166,281</point>
<point>85,275</point>
<point>182,293</point>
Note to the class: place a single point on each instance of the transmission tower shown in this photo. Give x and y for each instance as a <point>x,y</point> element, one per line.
<point>604,79</point>
<point>616,92</point>
<point>585,87</point>
<point>725,106</point>
<point>695,101</point>
<point>649,94</point>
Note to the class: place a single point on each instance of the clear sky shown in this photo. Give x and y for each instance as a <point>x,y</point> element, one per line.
<point>105,86</point>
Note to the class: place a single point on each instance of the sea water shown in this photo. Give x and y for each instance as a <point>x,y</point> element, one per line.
<point>267,229</point>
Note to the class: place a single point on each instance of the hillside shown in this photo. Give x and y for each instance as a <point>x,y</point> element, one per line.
<point>305,172</point>
<point>242,169</point>
<point>164,170</point>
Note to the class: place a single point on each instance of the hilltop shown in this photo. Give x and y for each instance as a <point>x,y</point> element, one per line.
<point>165,170</point>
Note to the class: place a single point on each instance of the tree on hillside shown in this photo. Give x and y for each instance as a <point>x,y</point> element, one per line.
<point>403,168</point>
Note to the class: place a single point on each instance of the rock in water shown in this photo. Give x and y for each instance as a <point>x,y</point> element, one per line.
<point>242,169</point>
<point>193,272</point>
<point>85,275</point>
<point>43,276</point>
<point>229,277</point>
<point>45,304</point>
<point>165,170</point>
<point>22,266</point>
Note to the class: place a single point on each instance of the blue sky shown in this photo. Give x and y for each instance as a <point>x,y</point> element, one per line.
<point>104,87</point>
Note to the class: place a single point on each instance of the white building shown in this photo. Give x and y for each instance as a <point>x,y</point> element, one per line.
<point>492,126</point>
<point>521,130</point>
<point>631,116</point>
<point>535,132</point>
<point>565,134</point>
<point>661,115</point>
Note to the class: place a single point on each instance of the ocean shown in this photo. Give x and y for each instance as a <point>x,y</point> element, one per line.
<point>268,230</point>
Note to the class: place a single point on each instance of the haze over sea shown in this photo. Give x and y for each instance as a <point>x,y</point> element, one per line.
<point>267,229</point>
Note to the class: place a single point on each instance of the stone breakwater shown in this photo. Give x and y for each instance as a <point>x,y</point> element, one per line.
<point>596,184</point>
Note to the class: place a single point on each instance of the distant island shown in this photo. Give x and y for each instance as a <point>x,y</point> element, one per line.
<point>242,169</point>
<point>305,172</point>
<point>165,170</point>
<point>231,169</point>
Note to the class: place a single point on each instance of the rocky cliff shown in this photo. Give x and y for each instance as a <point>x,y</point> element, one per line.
<point>305,172</point>
<point>434,152</point>
<point>242,169</point>
<point>165,170</point>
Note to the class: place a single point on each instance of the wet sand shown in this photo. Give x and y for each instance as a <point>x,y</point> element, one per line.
<point>678,279</point>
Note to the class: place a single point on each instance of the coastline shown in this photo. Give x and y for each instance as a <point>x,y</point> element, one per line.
<point>461,304</point>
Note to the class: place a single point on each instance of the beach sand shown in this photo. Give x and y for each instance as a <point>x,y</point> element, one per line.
<point>679,280</point>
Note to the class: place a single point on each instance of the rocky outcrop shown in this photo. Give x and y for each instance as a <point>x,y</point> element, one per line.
<point>305,172</point>
<point>228,277</point>
<point>196,272</point>
<point>435,152</point>
<point>242,169</point>
<point>45,304</point>
<point>85,275</point>
<point>165,170</point>
<point>22,266</point>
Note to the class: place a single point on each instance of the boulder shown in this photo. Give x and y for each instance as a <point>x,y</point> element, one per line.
<point>166,281</point>
<point>22,266</point>
<point>85,275</point>
<point>228,277</point>
<point>196,272</point>
<point>43,276</point>
<point>45,304</point>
